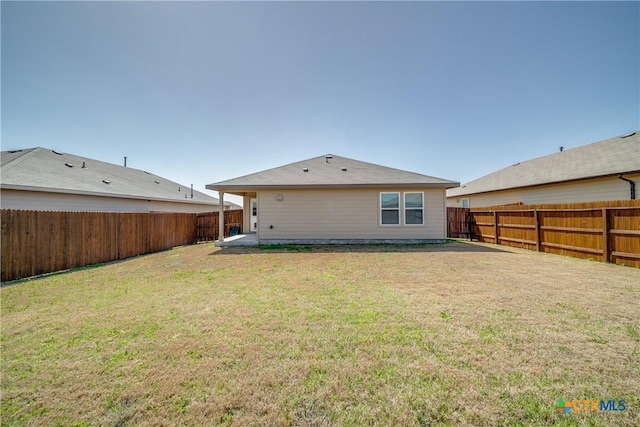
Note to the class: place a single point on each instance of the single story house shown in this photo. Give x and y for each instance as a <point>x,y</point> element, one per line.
<point>333,199</point>
<point>47,180</point>
<point>601,171</point>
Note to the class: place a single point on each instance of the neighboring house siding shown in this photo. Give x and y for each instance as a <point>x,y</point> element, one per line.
<point>591,190</point>
<point>342,214</point>
<point>45,201</point>
<point>158,206</point>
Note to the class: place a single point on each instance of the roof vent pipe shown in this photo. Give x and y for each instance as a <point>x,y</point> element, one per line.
<point>84,165</point>
<point>632,186</point>
<point>561,148</point>
<point>125,161</point>
<point>192,191</point>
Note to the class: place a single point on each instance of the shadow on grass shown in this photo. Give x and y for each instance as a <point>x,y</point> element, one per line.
<point>77,268</point>
<point>54,273</point>
<point>449,246</point>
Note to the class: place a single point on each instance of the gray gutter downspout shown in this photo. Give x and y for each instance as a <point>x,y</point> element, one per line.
<point>632,186</point>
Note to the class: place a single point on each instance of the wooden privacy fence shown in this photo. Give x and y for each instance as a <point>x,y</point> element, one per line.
<point>37,242</point>
<point>607,231</point>
<point>208,224</point>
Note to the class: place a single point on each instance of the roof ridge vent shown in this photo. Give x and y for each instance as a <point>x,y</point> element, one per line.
<point>69,165</point>
<point>628,135</point>
<point>327,158</point>
<point>55,152</point>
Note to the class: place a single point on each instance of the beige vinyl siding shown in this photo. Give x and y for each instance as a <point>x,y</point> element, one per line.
<point>592,190</point>
<point>343,214</point>
<point>45,201</point>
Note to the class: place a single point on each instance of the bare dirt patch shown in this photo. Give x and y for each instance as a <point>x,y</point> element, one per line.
<point>460,334</point>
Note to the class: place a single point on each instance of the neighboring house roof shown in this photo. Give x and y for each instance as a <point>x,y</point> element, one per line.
<point>42,169</point>
<point>605,158</point>
<point>329,171</point>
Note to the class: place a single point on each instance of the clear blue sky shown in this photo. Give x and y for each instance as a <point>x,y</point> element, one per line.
<point>201,92</point>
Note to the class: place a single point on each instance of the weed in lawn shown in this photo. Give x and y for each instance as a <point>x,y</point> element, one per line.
<point>487,334</point>
<point>181,404</point>
<point>149,329</point>
<point>446,316</point>
<point>227,416</point>
<point>598,340</point>
<point>195,355</point>
<point>634,332</point>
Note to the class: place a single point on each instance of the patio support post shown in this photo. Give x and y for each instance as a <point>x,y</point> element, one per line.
<point>221,217</point>
<point>246,214</point>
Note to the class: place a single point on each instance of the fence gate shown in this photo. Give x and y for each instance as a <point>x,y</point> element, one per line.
<point>207,226</point>
<point>458,222</point>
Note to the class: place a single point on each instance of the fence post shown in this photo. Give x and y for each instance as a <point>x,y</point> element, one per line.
<point>150,218</point>
<point>536,215</point>
<point>495,226</point>
<point>117,230</point>
<point>605,235</point>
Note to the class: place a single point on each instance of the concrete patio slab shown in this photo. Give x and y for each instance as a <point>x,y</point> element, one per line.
<point>250,239</point>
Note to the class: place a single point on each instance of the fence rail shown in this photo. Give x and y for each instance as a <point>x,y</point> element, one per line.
<point>605,231</point>
<point>38,242</point>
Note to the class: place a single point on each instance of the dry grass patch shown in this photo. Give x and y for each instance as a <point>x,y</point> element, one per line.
<point>455,334</point>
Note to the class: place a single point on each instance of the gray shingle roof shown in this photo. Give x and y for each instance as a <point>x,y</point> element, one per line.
<point>324,172</point>
<point>46,170</point>
<point>609,157</point>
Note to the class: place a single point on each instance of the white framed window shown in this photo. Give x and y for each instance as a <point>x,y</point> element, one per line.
<point>465,202</point>
<point>390,208</point>
<point>414,208</point>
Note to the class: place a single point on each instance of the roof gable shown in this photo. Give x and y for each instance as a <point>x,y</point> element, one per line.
<point>609,157</point>
<point>329,171</point>
<point>42,169</point>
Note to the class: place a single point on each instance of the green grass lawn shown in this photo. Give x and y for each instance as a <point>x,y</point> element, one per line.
<point>453,334</point>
